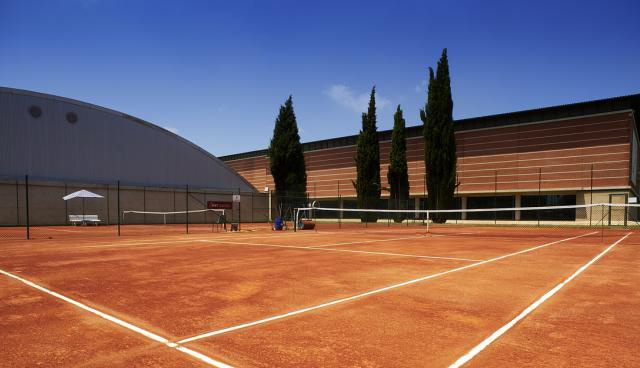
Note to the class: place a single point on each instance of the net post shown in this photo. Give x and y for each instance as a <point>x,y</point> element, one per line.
<point>118,187</point>
<point>295,221</point>
<point>26,197</point>
<point>427,221</point>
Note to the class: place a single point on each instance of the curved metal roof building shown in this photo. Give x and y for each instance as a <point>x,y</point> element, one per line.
<point>56,138</point>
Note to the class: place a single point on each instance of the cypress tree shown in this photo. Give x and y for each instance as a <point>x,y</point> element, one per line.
<point>286,159</point>
<point>398,176</point>
<point>367,159</point>
<point>439,140</point>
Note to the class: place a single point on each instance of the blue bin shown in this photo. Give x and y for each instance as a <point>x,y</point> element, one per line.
<point>277,223</point>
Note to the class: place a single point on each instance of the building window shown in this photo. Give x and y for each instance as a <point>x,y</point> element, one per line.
<point>491,202</point>
<point>564,214</point>
<point>72,118</point>
<point>35,111</point>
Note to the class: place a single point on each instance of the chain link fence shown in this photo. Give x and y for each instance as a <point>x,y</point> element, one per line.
<point>31,208</point>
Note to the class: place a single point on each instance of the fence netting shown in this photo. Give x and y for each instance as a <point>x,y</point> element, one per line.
<point>32,208</point>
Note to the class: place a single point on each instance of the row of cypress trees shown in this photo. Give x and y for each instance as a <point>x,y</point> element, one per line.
<point>289,171</point>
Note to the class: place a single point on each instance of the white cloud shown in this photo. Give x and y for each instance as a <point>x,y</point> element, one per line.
<point>172,129</point>
<point>357,102</point>
<point>422,87</point>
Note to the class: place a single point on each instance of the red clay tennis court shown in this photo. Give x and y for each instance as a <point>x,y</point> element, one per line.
<point>351,296</point>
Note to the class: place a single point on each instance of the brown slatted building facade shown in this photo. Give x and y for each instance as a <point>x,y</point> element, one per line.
<point>580,153</point>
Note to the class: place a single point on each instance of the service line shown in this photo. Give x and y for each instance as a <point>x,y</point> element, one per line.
<point>494,336</point>
<point>127,325</point>
<point>372,292</point>
<point>340,250</point>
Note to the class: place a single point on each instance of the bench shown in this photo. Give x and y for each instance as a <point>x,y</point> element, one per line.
<point>84,219</point>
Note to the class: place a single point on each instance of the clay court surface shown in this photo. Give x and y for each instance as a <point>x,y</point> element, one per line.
<point>352,297</point>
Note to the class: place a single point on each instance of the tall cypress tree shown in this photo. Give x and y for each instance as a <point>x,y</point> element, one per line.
<point>367,159</point>
<point>439,140</point>
<point>286,159</point>
<point>398,175</point>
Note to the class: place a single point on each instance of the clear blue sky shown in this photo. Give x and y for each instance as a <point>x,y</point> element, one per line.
<point>217,71</point>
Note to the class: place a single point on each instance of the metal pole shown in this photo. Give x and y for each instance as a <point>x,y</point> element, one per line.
<point>539,193</point>
<point>495,196</point>
<point>108,207</point>
<point>118,185</point>
<point>26,197</point>
<point>340,206</point>
<point>17,203</point>
<point>424,196</point>
<point>239,210</point>
<point>340,214</point>
<point>144,204</point>
<point>591,195</point>
<point>187,208</point>
<point>66,206</point>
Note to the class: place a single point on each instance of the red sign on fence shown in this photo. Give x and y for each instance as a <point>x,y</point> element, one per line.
<point>219,205</point>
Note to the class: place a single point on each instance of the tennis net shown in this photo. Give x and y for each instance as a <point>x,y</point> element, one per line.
<point>586,215</point>
<point>208,215</point>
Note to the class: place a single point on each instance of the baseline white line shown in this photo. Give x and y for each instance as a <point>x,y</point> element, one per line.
<point>478,348</point>
<point>116,320</point>
<point>376,291</point>
<point>342,250</point>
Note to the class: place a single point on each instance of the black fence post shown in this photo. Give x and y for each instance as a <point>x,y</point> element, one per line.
<point>539,193</point>
<point>108,206</point>
<point>144,204</point>
<point>66,206</point>
<point>17,203</point>
<point>591,197</point>
<point>187,209</point>
<point>26,198</point>
<point>118,214</point>
<point>495,196</point>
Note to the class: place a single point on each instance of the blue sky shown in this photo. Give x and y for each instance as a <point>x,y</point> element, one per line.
<point>216,72</point>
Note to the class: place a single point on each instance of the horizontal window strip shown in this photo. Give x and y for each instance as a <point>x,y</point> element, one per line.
<point>586,168</point>
<point>549,129</point>
<point>616,138</point>
<point>545,180</point>
<point>608,148</point>
<point>518,139</point>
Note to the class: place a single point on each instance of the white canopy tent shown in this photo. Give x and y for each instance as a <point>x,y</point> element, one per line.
<point>82,194</point>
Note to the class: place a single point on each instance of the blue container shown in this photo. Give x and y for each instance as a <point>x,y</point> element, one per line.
<point>277,223</point>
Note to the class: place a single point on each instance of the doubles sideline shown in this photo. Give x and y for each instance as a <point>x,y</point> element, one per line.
<point>127,325</point>
<point>499,332</point>
<point>372,292</point>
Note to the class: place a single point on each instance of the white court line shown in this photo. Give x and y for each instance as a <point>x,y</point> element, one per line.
<point>151,242</point>
<point>342,250</point>
<point>180,240</point>
<point>117,321</point>
<point>376,291</point>
<point>478,348</point>
<point>369,241</point>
